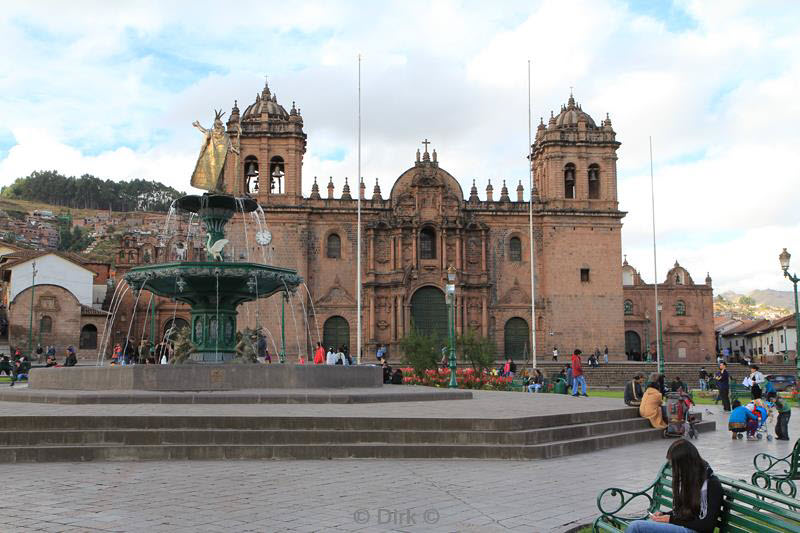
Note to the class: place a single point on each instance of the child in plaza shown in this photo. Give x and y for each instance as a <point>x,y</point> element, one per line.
<point>742,419</point>
<point>784,413</point>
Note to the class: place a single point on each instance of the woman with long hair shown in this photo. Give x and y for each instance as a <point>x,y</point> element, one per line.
<point>696,495</point>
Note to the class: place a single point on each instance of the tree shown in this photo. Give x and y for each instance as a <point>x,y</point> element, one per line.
<point>746,300</point>
<point>422,352</point>
<point>476,350</point>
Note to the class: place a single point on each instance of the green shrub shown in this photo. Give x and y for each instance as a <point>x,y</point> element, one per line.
<point>422,352</point>
<point>476,350</point>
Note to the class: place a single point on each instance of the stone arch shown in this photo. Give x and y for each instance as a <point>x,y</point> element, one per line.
<point>516,338</point>
<point>429,312</point>
<point>633,343</point>
<point>336,333</point>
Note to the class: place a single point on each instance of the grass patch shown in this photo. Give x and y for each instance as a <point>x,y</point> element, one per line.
<point>600,393</point>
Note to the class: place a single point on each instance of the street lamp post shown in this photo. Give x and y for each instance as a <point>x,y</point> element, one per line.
<point>784,259</point>
<point>647,331</point>
<point>30,321</point>
<point>282,354</point>
<point>660,341</point>
<point>451,324</point>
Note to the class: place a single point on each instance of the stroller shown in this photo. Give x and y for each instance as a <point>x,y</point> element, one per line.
<point>763,414</point>
<point>680,423</point>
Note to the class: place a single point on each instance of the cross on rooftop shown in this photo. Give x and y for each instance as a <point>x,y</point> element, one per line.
<point>426,142</point>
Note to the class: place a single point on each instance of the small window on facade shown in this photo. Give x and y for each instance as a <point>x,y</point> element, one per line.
<point>334,248</point>
<point>594,182</point>
<point>515,249</point>
<point>678,279</point>
<point>45,324</point>
<point>680,308</point>
<point>427,244</point>
<point>569,181</point>
<point>628,307</point>
<point>585,275</point>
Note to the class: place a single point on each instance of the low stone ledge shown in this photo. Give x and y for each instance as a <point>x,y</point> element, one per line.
<point>225,377</point>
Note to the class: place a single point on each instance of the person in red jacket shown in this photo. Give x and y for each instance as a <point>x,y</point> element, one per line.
<point>577,374</point>
<point>319,354</point>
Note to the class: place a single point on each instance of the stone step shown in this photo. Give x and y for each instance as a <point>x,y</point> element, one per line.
<point>139,437</point>
<point>119,452</point>
<point>85,423</point>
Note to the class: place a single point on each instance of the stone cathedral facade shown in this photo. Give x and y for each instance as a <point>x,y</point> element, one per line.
<point>427,223</point>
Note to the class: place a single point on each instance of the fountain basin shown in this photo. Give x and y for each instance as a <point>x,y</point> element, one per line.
<point>213,290</point>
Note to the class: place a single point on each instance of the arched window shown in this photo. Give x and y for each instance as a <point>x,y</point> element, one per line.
<point>334,246</point>
<point>569,181</point>
<point>88,338</point>
<point>131,256</point>
<point>427,244</point>
<point>336,333</point>
<point>251,174</point>
<point>45,324</point>
<point>628,307</point>
<point>680,308</point>
<point>515,339</point>
<point>515,249</point>
<point>277,173</point>
<point>122,255</point>
<point>594,182</point>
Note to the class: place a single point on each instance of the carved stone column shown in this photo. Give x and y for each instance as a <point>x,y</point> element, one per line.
<point>483,250</point>
<point>484,317</point>
<point>371,236</point>
<point>443,240</point>
<point>392,251</point>
<point>372,315</point>
<point>415,258</point>
<point>458,249</point>
<point>393,319</point>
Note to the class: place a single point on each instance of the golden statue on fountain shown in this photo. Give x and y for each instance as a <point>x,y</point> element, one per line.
<point>209,171</point>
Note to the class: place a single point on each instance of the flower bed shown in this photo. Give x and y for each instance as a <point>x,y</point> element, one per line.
<point>467,379</point>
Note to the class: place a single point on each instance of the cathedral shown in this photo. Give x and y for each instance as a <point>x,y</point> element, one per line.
<point>427,224</point>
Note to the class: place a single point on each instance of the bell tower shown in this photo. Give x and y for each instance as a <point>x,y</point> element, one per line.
<point>271,145</point>
<point>575,160</point>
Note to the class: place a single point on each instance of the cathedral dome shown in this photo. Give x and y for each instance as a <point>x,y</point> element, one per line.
<point>572,114</point>
<point>265,102</point>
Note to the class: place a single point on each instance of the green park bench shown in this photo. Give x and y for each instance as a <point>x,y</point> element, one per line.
<point>740,392</point>
<point>778,473</point>
<point>745,508</point>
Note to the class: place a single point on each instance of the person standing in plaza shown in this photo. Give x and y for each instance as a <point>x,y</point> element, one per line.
<point>723,386</point>
<point>331,358</point>
<point>319,354</point>
<point>605,355</point>
<point>577,375</point>
<point>784,413</point>
<point>39,352</point>
<point>555,353</point>
<point>703,375</point>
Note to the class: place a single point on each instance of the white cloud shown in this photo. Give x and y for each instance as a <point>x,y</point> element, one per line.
<point>116,99</point>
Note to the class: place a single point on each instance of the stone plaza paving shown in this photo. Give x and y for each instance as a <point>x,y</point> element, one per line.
<point>345,495</point>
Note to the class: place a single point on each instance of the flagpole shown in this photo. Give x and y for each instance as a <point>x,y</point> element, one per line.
<point>530,227</point>
<point>358,225</point>
<point>655,263</point>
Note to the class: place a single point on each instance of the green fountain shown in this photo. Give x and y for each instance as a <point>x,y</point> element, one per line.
<point>213,288</point>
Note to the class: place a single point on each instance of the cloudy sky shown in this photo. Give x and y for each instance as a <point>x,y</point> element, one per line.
<point>111,89</point>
